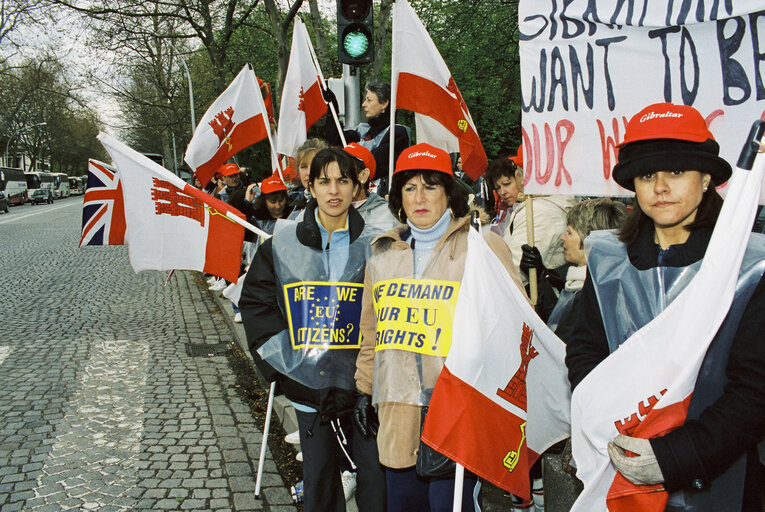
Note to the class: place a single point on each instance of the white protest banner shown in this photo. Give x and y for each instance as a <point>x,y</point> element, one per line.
<point>588,66</point>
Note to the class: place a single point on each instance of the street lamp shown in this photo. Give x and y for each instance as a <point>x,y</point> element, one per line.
<point>22,129</point>
<point>191,96</point>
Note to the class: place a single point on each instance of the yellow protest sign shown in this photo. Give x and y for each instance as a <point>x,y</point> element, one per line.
<point>415,315</point>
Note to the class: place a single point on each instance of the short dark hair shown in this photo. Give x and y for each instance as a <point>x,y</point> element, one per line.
<point>455,195</point>
<point>381,89</point>
<point>706,216</point>
<point>259,205</point>
<point>501,167</point>
<point>348,166</point>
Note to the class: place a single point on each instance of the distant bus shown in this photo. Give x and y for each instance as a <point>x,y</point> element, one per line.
<point>75,186</point>
<point>14,184</point>
<point>61,182</point>
<point>37,180</point>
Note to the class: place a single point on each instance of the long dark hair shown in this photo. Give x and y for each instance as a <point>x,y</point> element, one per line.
<point>456,197</point>
<point>706,216</point>
<point>261,210</point>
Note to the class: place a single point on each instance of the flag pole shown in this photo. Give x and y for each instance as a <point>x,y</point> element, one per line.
<point>320,76</point>
<point>247,225</point>
<point>393,86</point>
<point>262,106</point>
<point>533,292</point>
<point>459,480</point>
<point>264,442</point>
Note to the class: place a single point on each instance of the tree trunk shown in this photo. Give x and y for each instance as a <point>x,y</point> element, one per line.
<point>318,31</point>
<point>381,37</point>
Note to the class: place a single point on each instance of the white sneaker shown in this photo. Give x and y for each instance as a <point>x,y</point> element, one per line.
<point>238,318</point>
<point>349,484</point>
<point>292,437</point>
<point>218,285</point>
<point>299,457</point>
<point>211,280</point>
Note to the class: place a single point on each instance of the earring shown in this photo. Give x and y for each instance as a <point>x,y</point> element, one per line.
<point>399,216</point>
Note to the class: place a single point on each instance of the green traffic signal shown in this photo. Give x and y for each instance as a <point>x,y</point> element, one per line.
<point>356,43</point>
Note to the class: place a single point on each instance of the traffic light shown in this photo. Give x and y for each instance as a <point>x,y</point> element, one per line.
<point>355,30</point>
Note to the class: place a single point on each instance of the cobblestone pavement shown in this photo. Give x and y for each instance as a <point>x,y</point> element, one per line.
<point>102,407</point>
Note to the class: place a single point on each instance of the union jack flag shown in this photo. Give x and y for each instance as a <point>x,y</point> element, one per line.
<point>103,210</point>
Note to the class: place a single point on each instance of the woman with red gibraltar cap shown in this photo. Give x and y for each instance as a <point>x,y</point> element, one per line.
<point>670,160</point>
<point>394,379</point>
<point>271,204</point>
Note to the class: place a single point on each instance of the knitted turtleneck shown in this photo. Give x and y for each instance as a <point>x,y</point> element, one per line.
<point>425,241</point>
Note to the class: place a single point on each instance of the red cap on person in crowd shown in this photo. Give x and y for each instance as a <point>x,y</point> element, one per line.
<point>228,170</point>
<point>425,157</point>
<point>272,184</point>
<point>364,155</point>
<point>667,121</point>
<point>518,158</point>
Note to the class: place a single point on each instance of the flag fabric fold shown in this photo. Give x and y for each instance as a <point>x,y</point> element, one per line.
<point>503,396</point>
<point>302,102</point>
<point>658,365</point>
<point>103,209</point>
<point>237,119</point>
<point>172,225</point>
<point>424,85</point>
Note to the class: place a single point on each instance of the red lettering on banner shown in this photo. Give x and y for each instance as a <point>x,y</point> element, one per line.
<point>628,425</point>
<point>609,143</point>
<point>223,124</point>
<point>515,390</point>
<point>554,150</point>
<point>169,200</point>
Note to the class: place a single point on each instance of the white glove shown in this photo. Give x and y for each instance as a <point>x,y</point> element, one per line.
<point>640,470</point>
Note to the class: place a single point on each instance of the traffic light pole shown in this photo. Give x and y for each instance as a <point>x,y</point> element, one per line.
<point>352,84</point>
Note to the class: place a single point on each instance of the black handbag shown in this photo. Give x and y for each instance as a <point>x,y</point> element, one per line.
<point>430,463</point>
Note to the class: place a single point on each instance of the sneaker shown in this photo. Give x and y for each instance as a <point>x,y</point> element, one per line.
<point>238,318</point>
<point>299,457</point>
<point>218,285</point>
<point>521,505</point>
<point>292,437</point>
<point>349,484</point>
<point>211,280</point>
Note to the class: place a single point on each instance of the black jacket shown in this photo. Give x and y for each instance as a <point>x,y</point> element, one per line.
<point>262,318</point>
<point>703,448</point>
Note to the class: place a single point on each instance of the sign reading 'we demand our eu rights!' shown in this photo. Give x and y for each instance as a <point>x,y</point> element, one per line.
<point>324,315</point>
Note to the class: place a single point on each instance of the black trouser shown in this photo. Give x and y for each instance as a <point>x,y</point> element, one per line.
<point>371,490</point>
<point>322,487</point>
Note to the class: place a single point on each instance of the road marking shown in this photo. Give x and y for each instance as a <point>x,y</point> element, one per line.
<point>44,211</point>
<point>99,438</point>
<point>4,351</point>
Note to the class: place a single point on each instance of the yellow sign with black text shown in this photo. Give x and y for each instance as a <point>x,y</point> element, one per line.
<point>415,315</point>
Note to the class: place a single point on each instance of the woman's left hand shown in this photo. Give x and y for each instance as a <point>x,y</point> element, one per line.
<point>640,469</point>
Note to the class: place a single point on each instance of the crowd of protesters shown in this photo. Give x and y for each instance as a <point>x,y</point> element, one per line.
<point>360,413</point>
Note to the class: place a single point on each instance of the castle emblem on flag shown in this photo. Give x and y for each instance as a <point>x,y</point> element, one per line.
<point>301,101</point>
<point>169,200</point>
<point>515,390</point>
<point>628,425</point>
<point>222,124</point>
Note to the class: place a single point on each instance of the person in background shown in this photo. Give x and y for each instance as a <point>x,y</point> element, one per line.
<point>375,133</point>
<point>373,208</point>
<point>671,161</point>
<point>301,196</point>
<point>395,384</point>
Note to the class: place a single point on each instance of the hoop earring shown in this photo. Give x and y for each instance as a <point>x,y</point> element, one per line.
<point>399,217</point>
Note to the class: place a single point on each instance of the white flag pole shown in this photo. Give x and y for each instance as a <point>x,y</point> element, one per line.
<point>264,443</point>
<point>320,76</point>
<point>459,480</point>
<point>247,225</point>
<point>393,88</point>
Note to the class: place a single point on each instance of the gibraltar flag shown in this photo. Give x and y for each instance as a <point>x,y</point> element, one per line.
<point>170,224</point>
<point>652,375</point>
<point>236,120</point>
<point>503,395</point>
<point>302,102</point>
<point>423,84</point>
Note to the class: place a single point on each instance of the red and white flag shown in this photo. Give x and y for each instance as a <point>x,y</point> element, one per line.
<point>302,102</point>
<point>424,85</point>
<point>103,210</point>
<point>236,120</point>
<point>172,225</point>
<point>643,389</point>
<point>503,395</point>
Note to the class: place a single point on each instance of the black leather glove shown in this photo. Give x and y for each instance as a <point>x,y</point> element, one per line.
<point>365,416</point>
<point>329,96</point>
<point>531,259</point>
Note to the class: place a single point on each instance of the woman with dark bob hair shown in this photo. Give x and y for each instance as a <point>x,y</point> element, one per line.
<point>410,290</point>
<point>669,158</point>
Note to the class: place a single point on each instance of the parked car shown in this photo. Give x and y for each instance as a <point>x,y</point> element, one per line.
<point>41,195</point>
<point>3,202</point>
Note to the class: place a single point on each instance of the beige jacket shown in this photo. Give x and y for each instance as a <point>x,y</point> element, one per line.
<point>399,435</point>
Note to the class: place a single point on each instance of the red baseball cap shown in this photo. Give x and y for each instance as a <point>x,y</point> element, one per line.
<point>424,157</point>
<point>518,158</point>
<point>667,121</point>
<point>228,169</point>
<point>364,155</point>
<point>272,184</point>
